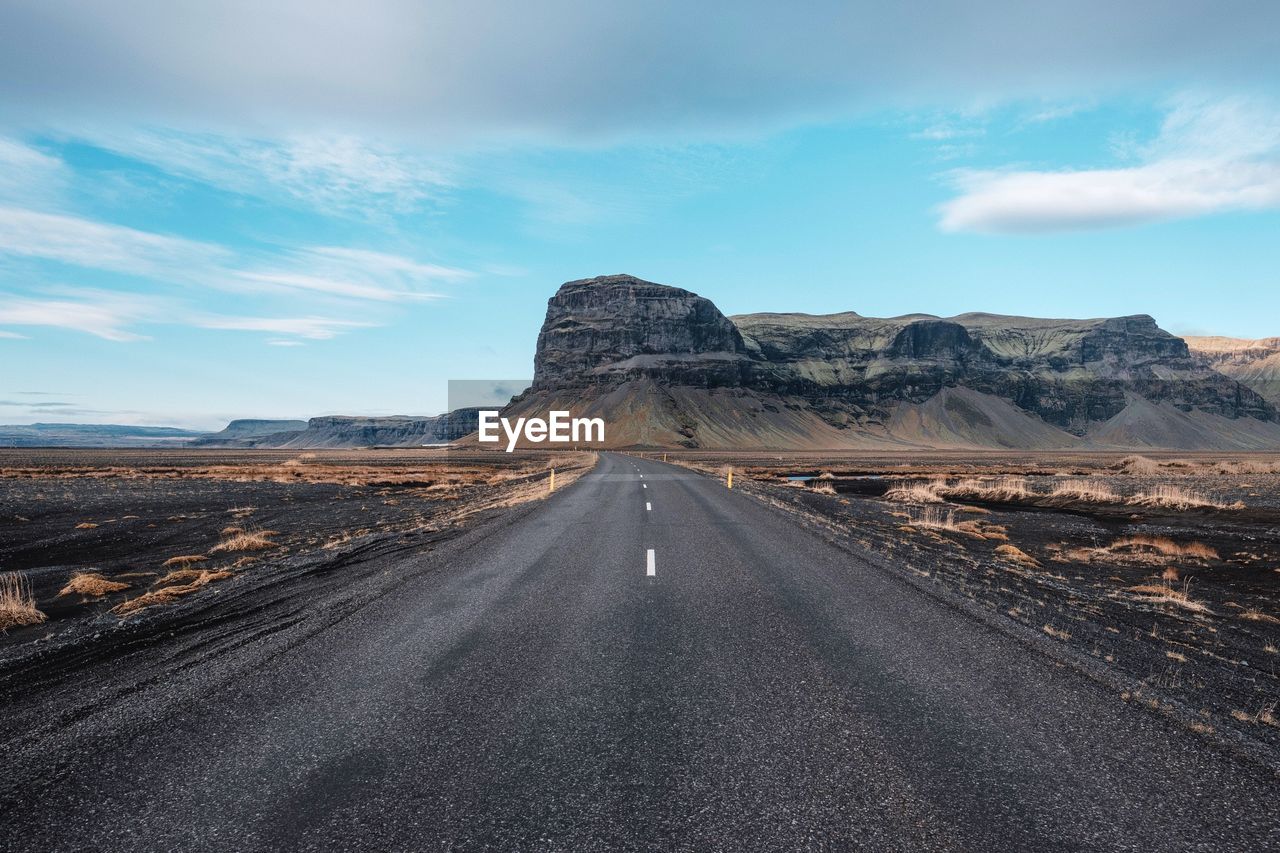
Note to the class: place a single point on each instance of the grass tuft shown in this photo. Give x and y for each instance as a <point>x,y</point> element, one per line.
<point>169,594</point>
<point>91,585</point>
<point>17,604</point>
<point>246,540</point>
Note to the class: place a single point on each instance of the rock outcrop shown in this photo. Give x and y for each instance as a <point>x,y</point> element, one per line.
<point>1255,364</point>
<point>337,431</point>
<point>243,432</point>
<point>668,368</point>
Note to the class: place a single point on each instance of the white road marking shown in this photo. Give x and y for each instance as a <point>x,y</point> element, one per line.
<point>642,476</point>
<point>651,568</point>
<point>648,507</point>
<point>644,485</point>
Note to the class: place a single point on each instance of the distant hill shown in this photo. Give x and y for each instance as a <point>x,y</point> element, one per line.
<point>1255,363</point>
<point>243,432</point>
<point>93,435</point>
<point>665,368</point>
<point>338,431</point>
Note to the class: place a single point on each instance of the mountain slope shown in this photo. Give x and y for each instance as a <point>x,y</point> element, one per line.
<point>666,368</point>
<point>1255,364</point>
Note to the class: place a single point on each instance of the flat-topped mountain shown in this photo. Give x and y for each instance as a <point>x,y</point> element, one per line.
<point>1255,363</point>
<point>333,431</point>
<point>666,368</point>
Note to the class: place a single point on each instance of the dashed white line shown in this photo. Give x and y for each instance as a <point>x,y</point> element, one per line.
<point>651,568</point>
<point>644,485</point>
<point>648,507</point>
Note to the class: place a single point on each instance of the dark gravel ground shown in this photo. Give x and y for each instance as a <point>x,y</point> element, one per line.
<point>525,685</point>
<point>1212,660</point>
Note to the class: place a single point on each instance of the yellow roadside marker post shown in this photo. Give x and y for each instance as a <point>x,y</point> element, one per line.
<point>731,478</point>
<point>552,486</point>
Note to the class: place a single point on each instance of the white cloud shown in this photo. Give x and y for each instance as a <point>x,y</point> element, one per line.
<point>12,336</point>
<point>312,328</point>
<point>356,274</point>
<point>334,174</point>
<point>350,276</point>
<point>86,243</point>
<point>586,70</point>
<point>107,316</point>
<point>1210,156</point>
<point>27,173</point>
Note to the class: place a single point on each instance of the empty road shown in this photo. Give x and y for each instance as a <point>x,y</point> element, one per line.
<point>645,661</point>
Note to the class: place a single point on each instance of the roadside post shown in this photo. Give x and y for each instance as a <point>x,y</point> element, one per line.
<point>731,477</point>
<point>551,487</point>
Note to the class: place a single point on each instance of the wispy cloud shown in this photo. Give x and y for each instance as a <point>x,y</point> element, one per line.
<point>115,317</point>
<point>27,173</point>
<point>311,328</point>
<point>99,245</point>
<point>350,276</point>
<point>102,315</point>
<point>334,174</point>
<point>1210,156</point>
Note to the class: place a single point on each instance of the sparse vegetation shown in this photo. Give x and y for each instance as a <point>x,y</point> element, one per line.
<point>1016,554</point>
<point>169,594</point>
<point>86,525</point>
<point>1166,593</point>
<point>185,560</point>
<point>934,518</point>
<point>17,604</point>
<point>246,540</point>
<point>1056,633</point>
<point>1089,491</point>
<point>91,585</point>
<point>998,489</point>
<point>914,491</point>
<point>1174,497</point>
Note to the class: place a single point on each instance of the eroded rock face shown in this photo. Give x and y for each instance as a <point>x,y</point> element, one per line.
<point>604,330</point>
<point>854,370</point>
<point>1071,373</point>
<point>1253,363</point>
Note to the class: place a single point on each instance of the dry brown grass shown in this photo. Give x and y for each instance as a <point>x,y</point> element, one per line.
<point>1016,554</point>
<point>996,489</point>
<point>1167,593</point>
<point>1087,491</point>
<point>1253,614</point>
<point>91,585</point>
<point>169,594</point>
<point>85,525</point>
<point>1174,497</point>
<point>1056,633</point>
<point>824,489</point>
<point>184,561</point>
<point>1164,546</point>
<point>933,518</point>
<point>1139,466</point>
<point>246,540</point>
<point>915,492</point>
<point>17,604</point>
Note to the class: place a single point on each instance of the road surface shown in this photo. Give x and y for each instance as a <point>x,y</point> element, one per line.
<point>646,661</point>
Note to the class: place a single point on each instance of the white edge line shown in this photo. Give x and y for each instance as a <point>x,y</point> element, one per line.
<point>651,568</point>
<point>648,507</point>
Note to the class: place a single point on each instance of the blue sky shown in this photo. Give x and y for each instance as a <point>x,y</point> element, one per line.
<point>234,212</point>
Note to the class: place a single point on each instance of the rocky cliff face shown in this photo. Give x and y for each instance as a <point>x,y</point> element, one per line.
<point>1255,364</point>
<point>1070,373</point>
<point>333,431</point>
<point>602,331</point>
<point>869,376</point>
<point>244,431</point>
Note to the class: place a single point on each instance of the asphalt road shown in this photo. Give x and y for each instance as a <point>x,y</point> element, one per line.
<point>546,686</point>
